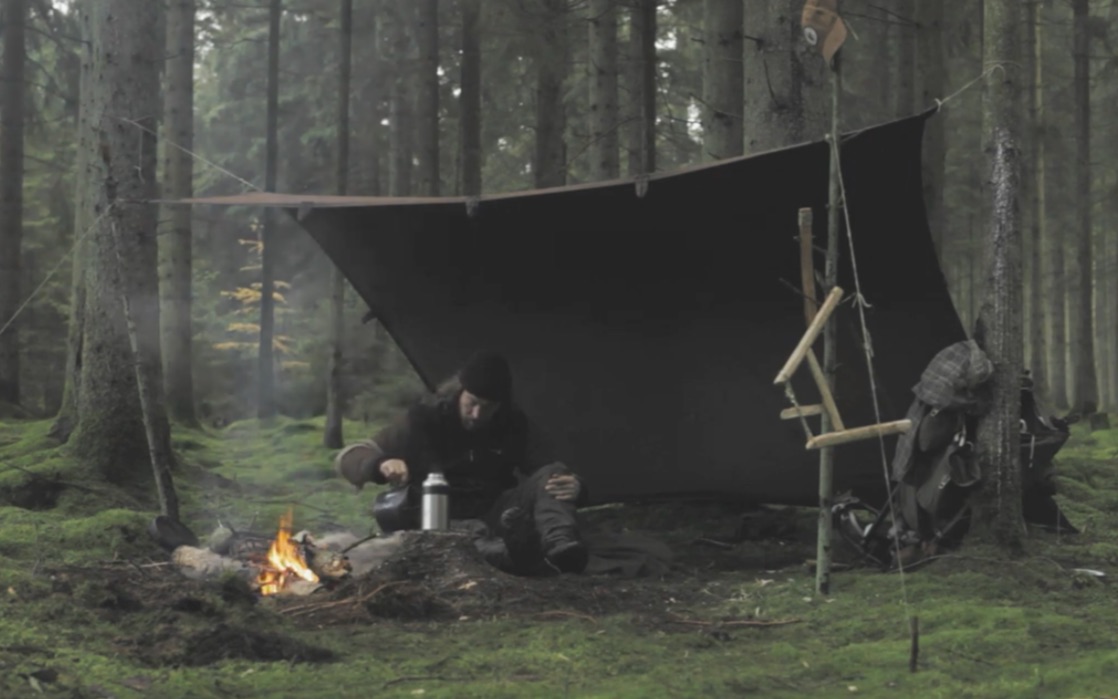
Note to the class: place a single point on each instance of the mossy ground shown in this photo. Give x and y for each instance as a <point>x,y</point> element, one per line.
<point>90,611</point>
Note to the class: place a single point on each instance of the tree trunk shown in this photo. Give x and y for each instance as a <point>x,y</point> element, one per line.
<point>784,100</point>
<point>1035,185</point>
<point>266,368</point>
<point>119,179</point>
<point>333,437</point>
<point>402,101</point>
<point>1052,271</point>
<point>373,141</point>
<point>601,69</point>
<point>470,97</point>
<point>550,162</point>
<point>12,91</point>
<point>932,65</point>
<point>1085,390</point>
<point>178,183</point>
<point>998,329</point>
<point>427,118</point>
<point>723,92</point>
<point>67,417</point>
<point>1108,289</point>
<point>905,100</point>
<point>642,88</point>
<point>157,429</point>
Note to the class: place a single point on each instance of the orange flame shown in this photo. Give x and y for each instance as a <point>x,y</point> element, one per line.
<point>284,561</point>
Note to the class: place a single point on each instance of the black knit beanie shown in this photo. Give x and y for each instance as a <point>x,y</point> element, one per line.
<point>487,376</point>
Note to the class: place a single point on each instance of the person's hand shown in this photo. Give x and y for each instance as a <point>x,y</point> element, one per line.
<point>395,470</point>
<point>565,487</point>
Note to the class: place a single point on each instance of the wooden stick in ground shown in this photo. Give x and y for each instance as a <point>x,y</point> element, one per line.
<point>825,527</point>
<point>914,652</point>
<point>156,426</point>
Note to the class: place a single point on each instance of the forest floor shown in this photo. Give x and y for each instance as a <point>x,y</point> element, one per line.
<point>91,607</point>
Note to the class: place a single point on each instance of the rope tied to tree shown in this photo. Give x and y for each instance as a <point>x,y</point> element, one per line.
<point>982,76</point>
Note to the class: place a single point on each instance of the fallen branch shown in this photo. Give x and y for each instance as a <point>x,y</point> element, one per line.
<point>562,612</point>
<point>712,542</point>
<point>319,606</point>
<point>421,678</point>
<point>369,596</point>
<point>357,543</point>
<point>736,622</point>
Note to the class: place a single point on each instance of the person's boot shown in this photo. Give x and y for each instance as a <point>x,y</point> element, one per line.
<point>565,551</point>
<point>519,534</point>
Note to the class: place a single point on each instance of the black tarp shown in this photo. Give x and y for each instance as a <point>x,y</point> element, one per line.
<point>646,321</point>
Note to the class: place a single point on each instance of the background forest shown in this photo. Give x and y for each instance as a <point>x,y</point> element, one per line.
<point>232,326</point>
<point>464,96</point>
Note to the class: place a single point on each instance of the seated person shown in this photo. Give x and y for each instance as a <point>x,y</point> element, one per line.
<point>496,462</point>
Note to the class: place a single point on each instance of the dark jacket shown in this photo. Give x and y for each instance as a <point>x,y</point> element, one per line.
<point>478,466</point>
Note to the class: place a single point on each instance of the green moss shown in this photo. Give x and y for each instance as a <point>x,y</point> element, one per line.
<point>989,627</point>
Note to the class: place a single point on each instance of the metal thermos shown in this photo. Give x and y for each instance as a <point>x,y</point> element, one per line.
<point>436,502</point>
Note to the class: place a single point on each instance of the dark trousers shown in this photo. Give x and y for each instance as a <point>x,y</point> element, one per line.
<point>525,522</point>
<point>550,520</point>
<point>519,541</point>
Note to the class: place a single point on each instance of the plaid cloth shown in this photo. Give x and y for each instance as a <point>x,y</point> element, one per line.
<point>950,381</point>
<point>953,376</point>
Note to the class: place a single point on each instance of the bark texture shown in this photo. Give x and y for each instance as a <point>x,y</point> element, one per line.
<point>470,99</point>
<point>427,102</point>
<point>785,100</point>
<point>723,91</point>
<point>1035,188</point>
<point>333,436</point>
<point>119,165</point>
<point>999,329</point>
<point>642,88</point>
<point>1085,396</point>
<point>176,249</point>
<point>931,62</point>
<point>550,163</point>
<point>601,69</point>
<point>266,369</point>
<point>12,91</point>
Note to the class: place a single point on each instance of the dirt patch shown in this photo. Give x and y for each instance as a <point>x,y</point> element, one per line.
<point>225,642</point>
<point>160,619</point>
<point>442,577</point>
<point>36,494</point>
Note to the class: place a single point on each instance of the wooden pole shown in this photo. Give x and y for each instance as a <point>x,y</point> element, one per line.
<point>830,281</point>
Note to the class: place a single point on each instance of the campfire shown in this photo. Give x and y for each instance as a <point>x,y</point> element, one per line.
<point>284,564</point>
<point>285,561</point>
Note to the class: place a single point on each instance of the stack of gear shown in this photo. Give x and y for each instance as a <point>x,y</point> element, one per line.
<point>935,466</point>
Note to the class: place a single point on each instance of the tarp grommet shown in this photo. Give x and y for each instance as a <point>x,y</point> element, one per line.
<point>472,204</point>
<point>641,183</point>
